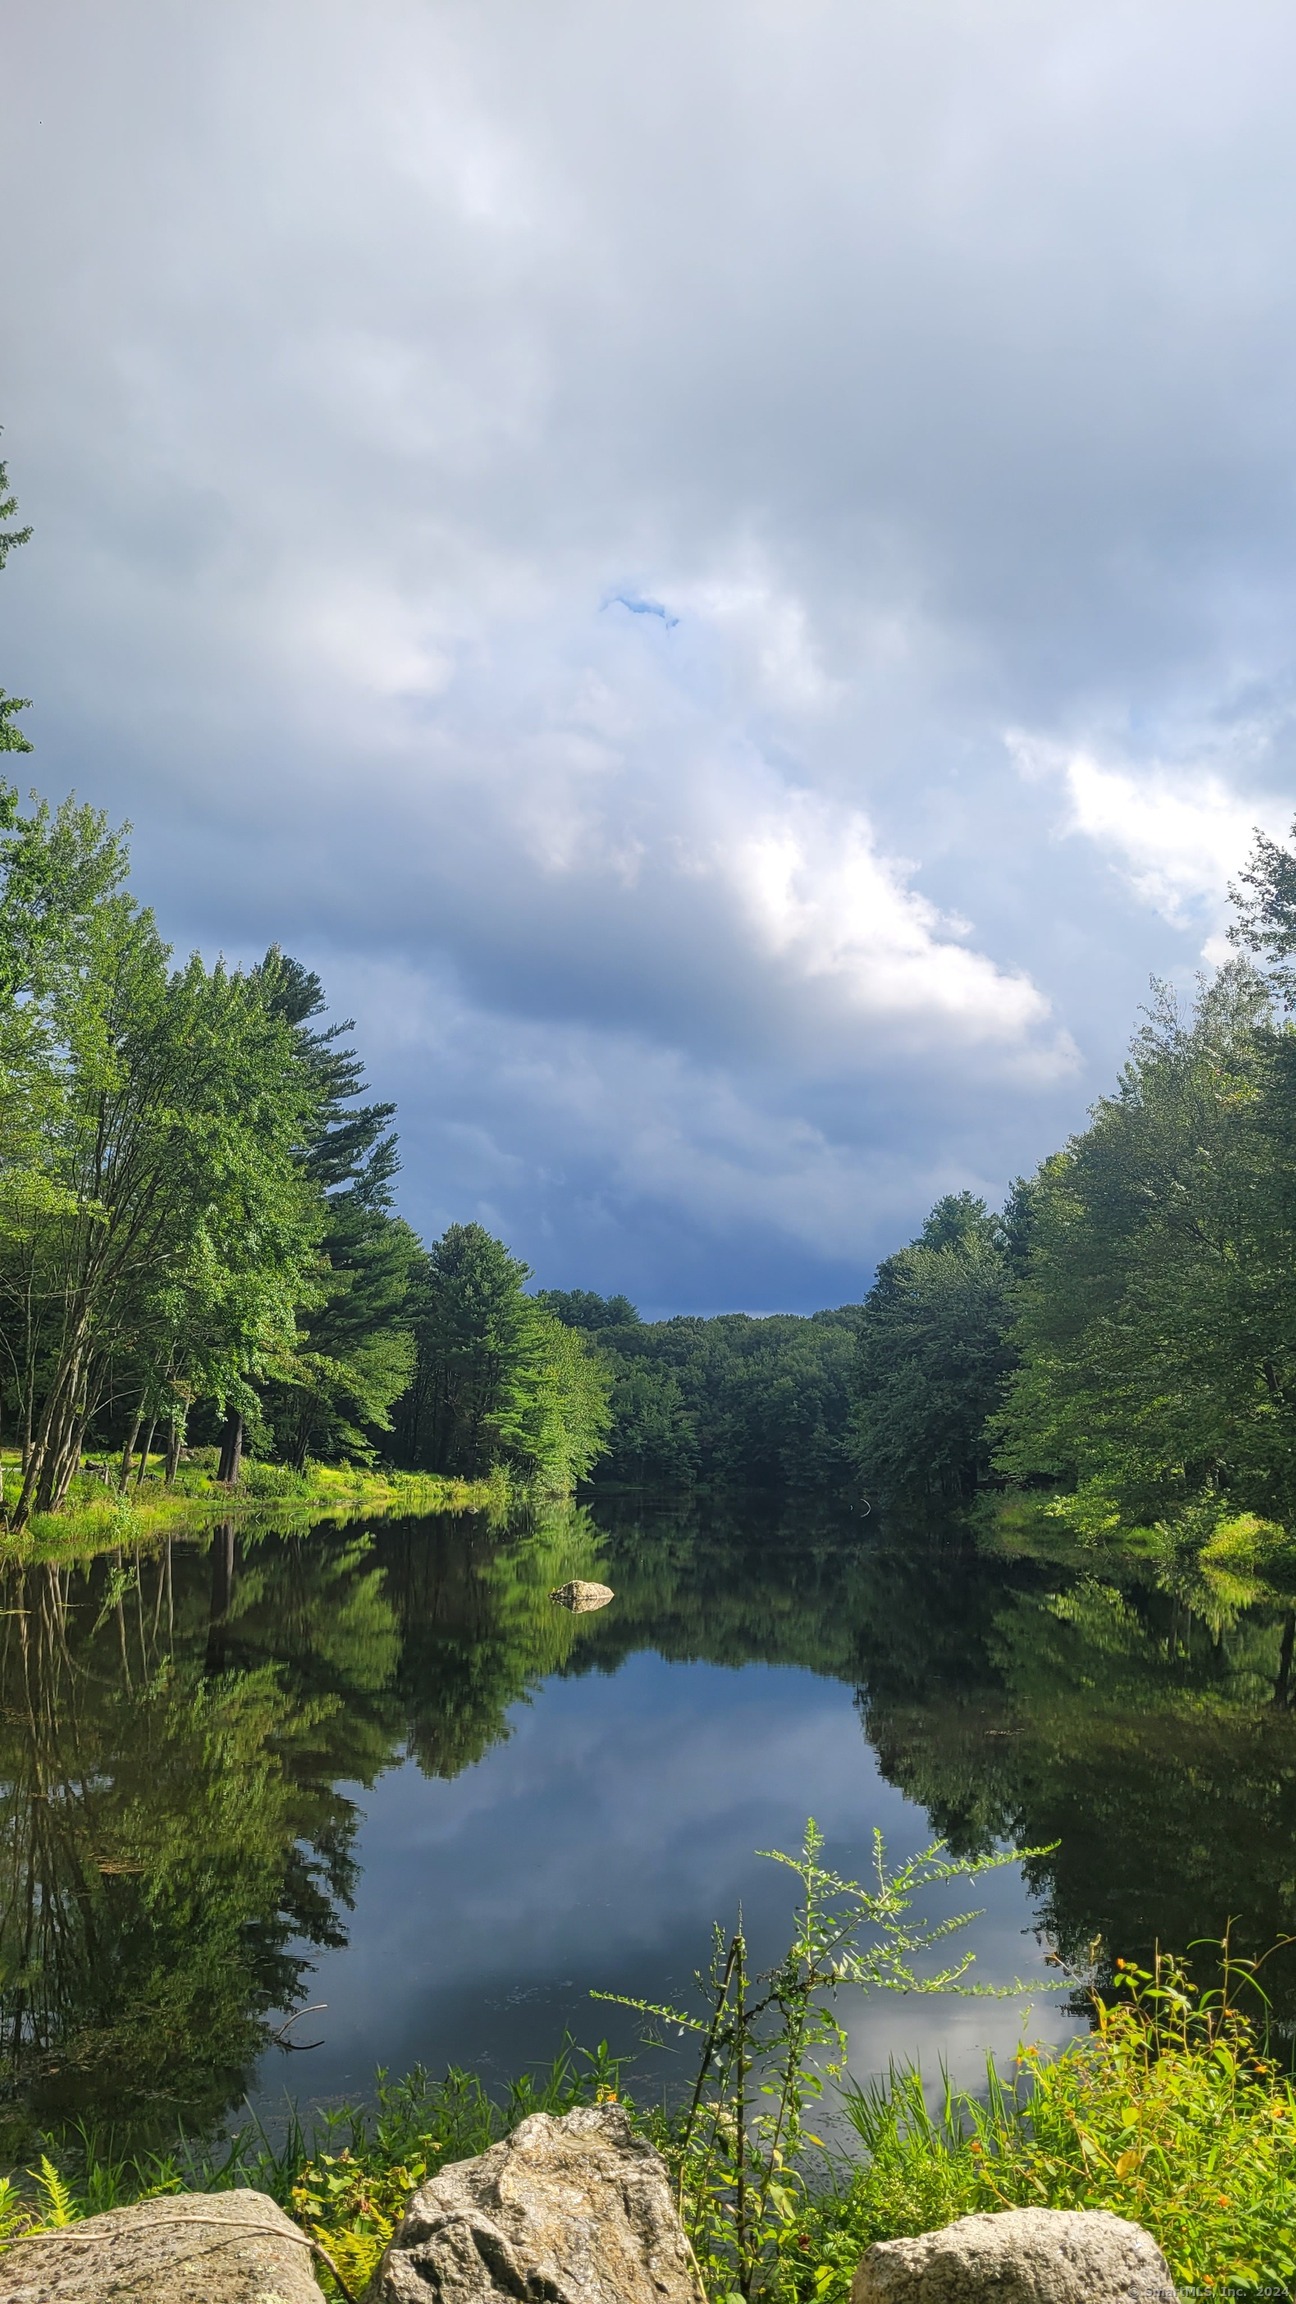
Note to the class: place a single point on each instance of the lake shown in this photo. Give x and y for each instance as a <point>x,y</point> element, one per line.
<point>376,1768</point>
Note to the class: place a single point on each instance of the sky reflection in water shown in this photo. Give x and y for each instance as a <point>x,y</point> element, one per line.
<point>597,1846</point>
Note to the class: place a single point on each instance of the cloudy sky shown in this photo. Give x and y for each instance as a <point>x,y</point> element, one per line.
<point>726,571</point>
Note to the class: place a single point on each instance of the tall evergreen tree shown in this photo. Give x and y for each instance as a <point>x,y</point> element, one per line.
<point>354,1354</point>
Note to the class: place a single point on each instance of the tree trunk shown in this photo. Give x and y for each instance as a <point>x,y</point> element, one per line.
<point>144,1455</point>
<point>230,1470</point>
<point>60,1466</point>
<point>175,1441</point>
<point>128,1451</point>
<point>56,1448</point>
<point>301,1443</point>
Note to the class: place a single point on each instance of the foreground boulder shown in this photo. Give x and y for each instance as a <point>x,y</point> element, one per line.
<point>184,2248</point>
<point>571,2211</point>
<point>580,1597</point>
<point>1022,2256</point>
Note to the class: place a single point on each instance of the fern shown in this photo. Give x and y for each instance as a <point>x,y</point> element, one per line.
<point>60,2206</point>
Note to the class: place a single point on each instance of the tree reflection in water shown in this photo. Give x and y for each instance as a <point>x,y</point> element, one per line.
<point>176,1727</point>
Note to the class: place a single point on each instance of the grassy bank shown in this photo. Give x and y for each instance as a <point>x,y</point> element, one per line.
<point>98,1516</point>
<point>1168,2113</point>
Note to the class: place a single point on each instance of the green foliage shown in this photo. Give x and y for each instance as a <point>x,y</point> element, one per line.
<point>1124,1331</point>
<point>498,1379</point>
<point>10,538</point>
<point>354,1352</point>
<point>1155,1320</point>
<point>155,1225</point>
<point>355,2183</point>
<point>11,736</point>
<point>933,1356</point>
<point>654,1433</point>
<point>752,1402</point>
<point>1169,2113</point>
<point>1265,902</point>
<point>196,1218</point>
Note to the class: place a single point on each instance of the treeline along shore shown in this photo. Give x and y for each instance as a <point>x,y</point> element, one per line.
<point>197,1236</point>
<point>199,1253</point>
<point>1122,1336</point>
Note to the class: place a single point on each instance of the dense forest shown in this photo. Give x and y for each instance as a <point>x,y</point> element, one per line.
<point>734,1399</point>
<point>1124,1332</point>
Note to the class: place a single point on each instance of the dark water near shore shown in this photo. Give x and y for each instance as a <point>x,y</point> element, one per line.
<point>379,1769</point>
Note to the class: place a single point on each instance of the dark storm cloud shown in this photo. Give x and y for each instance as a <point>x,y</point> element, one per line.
<point>727,572</point>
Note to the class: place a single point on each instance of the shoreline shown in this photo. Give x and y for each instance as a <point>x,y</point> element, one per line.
<point>101,1518</point>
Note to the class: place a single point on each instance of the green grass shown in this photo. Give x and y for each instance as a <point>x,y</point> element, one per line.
<point>1168,2113</point>
<point>98,1518</point>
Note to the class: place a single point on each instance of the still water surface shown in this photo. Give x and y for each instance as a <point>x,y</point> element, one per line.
<point>378,1769</point>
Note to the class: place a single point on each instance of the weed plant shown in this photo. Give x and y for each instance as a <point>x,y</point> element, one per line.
<point>771,2043</point>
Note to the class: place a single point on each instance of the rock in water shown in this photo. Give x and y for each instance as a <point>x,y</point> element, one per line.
<point>184,2248</point>
<point>1021,2256</point>
<point>581,1597</point>
<point>575,2211</point>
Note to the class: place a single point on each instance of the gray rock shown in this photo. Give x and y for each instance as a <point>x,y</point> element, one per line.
<point>570,2211</point>
<point>1022,2256</point>
<point>580,1597</point>
<point>185,2248</point>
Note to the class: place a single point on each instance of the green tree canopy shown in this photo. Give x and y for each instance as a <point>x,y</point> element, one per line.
<point>756,1402</point>
<point>498,1380</point>
<point>934,1354</point>
<point>155,1223</point>
<point>1155,1321</point>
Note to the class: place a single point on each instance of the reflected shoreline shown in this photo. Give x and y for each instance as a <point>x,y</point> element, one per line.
<point>187,1733</point>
